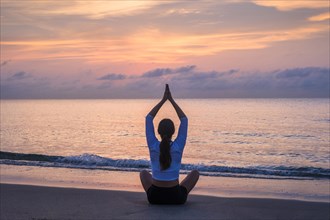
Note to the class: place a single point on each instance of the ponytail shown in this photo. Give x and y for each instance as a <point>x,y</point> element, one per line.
<point>165,158</point>
<point>166,130</point>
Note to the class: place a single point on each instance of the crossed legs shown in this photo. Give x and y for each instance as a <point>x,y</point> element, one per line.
<point>146,179</point>
<point>189,182</point>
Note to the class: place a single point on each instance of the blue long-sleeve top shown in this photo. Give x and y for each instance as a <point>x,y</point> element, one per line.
<point>177,146</point>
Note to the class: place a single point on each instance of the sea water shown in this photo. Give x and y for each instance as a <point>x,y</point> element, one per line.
<point>254,138</point>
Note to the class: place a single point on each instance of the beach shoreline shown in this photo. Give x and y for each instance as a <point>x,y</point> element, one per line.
<point>43,202</point>
<point>225,187</point>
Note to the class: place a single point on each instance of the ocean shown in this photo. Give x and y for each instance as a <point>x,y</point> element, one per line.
<point>243,138</point>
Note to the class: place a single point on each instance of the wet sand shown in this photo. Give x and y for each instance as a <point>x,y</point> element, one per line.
<point>39,202</point>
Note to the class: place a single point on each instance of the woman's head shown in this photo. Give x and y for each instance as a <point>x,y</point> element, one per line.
<point>166,130</point>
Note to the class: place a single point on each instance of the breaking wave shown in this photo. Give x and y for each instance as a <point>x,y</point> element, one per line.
<point>95,162</point>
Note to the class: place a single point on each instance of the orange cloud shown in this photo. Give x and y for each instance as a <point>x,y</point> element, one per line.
<point>153,45</point>
<point>286,5</point>
<point>92,9</point>
<point>320,17</point>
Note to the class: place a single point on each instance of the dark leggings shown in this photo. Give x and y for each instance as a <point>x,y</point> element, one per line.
<point>167,195</point>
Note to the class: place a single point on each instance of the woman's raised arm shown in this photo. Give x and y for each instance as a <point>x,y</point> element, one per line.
<point>178,110</point>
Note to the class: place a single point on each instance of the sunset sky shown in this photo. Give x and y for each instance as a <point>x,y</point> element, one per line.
<point>130,49</point>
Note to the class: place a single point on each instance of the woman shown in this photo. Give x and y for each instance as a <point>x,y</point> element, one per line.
<point>163,186</point>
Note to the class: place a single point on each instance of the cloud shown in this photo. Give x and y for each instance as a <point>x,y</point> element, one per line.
<point>167,71</point>
<point>102,9</point>
<point>4,63</point>
<point>158,72</point>
<point>185,69</point>
<point>112,76</point>
<point>155,73</point>
<point>285,83</point>
<point>185,82</point>
<point>91,9</point>
<point>292,5</point>
<point>19,76</point>
<point>320,17</point>
<point>289,83</point>
<point>99,30</point>
<point>301,72</point>
<point>25,85</point>
<point>154,45</point>
<point>306,79</point>
<point>198,76</point>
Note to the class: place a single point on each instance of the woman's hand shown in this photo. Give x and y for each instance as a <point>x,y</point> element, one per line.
<point>167,93</point>
<point>167,96</point>
<point>178,110</point>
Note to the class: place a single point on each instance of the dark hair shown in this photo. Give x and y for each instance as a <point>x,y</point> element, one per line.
<point>166,130</point>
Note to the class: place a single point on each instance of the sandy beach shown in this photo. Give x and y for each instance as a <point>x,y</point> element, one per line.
<point>38,202</point>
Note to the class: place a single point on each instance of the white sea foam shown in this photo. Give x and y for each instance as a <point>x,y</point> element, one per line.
<point>90,161</point>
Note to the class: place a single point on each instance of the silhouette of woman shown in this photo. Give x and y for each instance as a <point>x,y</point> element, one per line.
<point>162,187</point>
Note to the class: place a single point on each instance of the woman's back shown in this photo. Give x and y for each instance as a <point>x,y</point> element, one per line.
<point>176,151</point>
<point>163,186</point>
